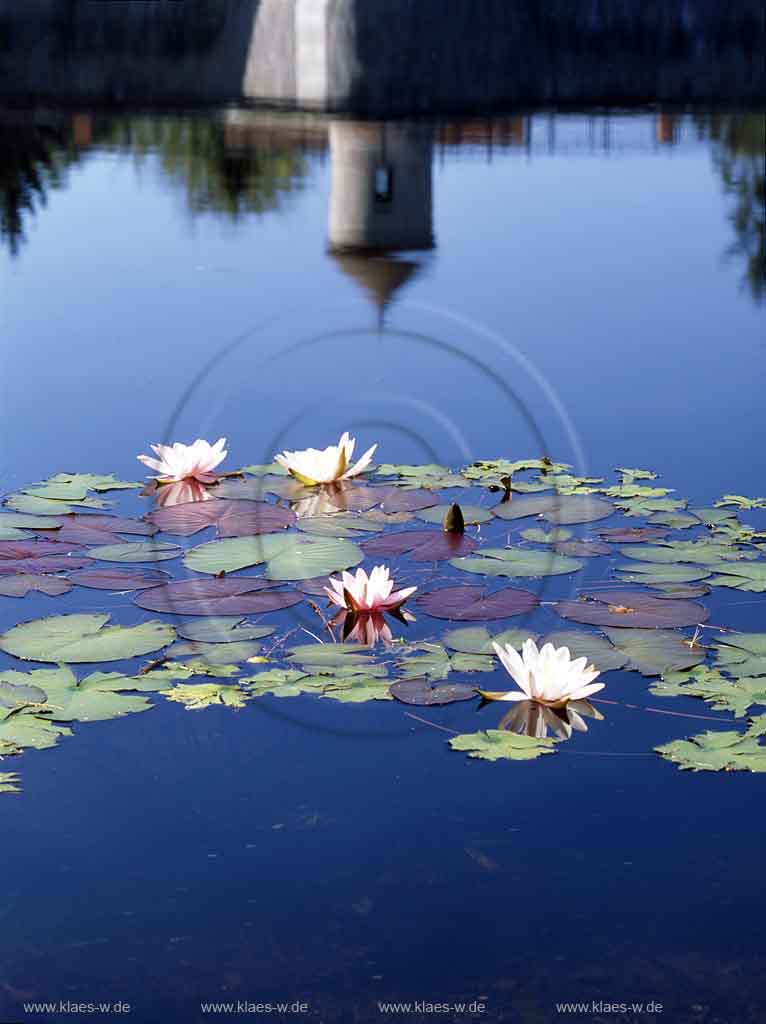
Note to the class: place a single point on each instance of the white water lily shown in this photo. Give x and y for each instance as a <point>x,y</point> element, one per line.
<point>358,592</point>
<point>178,461</point>
<point>548,676</point>
<point>313,466</point>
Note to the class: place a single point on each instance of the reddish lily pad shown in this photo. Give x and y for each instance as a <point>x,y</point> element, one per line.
<point>632,535</point>
<point>16,550</point>
<point>119,579</point>
<point>632,609</point>
<point>474,604</point>
<point>23,583</point>
<point>38,556</point>
<point>234,595</point>
<point>423,693</point>
<point>422,545</point>
<point>82,528</point>
<point>236,518</point>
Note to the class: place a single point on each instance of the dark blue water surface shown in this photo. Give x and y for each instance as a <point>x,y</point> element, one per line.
<point>594,291</point>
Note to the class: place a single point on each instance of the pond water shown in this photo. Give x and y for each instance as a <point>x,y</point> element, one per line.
<point>584,286</point>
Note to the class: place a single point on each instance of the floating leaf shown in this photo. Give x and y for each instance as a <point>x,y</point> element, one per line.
<point>581,548</point>
<point>216,654</point>
<point>21,730</point>
<point>750,576</point>
<point>652,573</point>
<point>434,477</point>
<point>468,603</point>
<point>9,782</point>
<point>279,682</point>
<point>472,514</point>
<point>341,524</point>
<point>432,662</point>
<point>477,640</point>
<point>680,590</point>
<point>421,545</point>
<point>238,595</point>
<point>287,556</point>
<point>231,518</point>
<point>196,696</point>
<point>735,695</point>
<point>599,651</point>
<point>703,551</point>
<point>20,695</point>
<point>89,528</point>
<point>23,583</point>
<point>556,508</point>
<point>675,520</point>
<point>423,693</point>
<point>38,556</point>
<point>517,562</point>
<point>136,551</point>
<point>717,751</point>
<point>554,536</point>
<point>742,654</point>
<point>655,652</point>
<point>498,745</point>
<point>30,504</point>
<point>714,516</point>
<point>19,521</point>
<point>631,609</point>
<point>222,629</point>
<point>318,655</point>
<point>119,580</point>
<point>265,469</point>
<point>632,534</point>
<point>739,501</point>
<point>75,486</point>
<point>648,506</point>
<point>81,638</point>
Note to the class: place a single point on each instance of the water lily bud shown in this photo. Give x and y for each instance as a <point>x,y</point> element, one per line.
<point>453,521</point>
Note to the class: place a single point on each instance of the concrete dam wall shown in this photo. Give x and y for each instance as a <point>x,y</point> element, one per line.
<point>383,57</point>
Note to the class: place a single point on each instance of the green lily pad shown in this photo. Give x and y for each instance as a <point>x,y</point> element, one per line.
<point>633,507</point>
<point>598,650</point>
<point>22,730</point>
<point>75,486</point>
<point>739,501</point>
<point>20,521</point>
<point>652,573</point>
<point>341,524</point>
<point>517,562</point>
<point>215,654</point>
<point>82,638</point>
<point>19,695</point>
<point>556,508</point>
<point>222,629</point>
<point>279,682</point>
<point>742,654</point>
<point>654,652</point>
<point>31,504</point>
<point>749,576</point>
<point>136,551</point>
<point>717,751</point>
<point>703,552</point>
<point>472,514</point>
<point>288,556</point>
<point>9,782</point>
<point>675,520</point>
<point>499,745</point>
<point>423,693</point>
<point>631,608</point>
<point>553,536</point>
<point>714,516</point>
<point>431,477</point>
<point>271,468</point>
<point>432,662</point>
<point>196,696</point>
<point>477,639</point>
<point>735,695</point>
<point>342,654</point>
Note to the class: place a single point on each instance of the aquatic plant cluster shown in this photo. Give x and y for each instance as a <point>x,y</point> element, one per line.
<point>441,545</point>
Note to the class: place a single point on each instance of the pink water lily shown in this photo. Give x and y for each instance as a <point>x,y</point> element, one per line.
<point>362,593</point>
<point>312,466</point>
<point>178,461</point>
<point>547,676</point>
<point>182,492</point>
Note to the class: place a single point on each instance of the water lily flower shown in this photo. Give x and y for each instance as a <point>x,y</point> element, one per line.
<point>178,461</point>
<point>530,718</point>
<point>362,593</point>
<point>548,676</point>
<point>313,466</point>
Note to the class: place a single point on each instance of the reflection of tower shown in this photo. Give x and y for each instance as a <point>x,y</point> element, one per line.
<point>380,202</point>
<point>665,129</point>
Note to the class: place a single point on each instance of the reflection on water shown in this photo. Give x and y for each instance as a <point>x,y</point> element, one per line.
<point>528,718</point>
<point>243,163</point>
